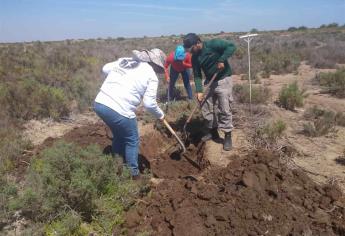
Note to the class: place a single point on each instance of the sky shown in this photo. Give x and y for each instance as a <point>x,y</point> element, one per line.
<point>47,20</point>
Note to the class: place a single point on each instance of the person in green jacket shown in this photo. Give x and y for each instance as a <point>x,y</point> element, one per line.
<point>212,57</point>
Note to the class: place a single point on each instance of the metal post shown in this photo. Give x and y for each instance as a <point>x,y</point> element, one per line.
<point>249,38</point>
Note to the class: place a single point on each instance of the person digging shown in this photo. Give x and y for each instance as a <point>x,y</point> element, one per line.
<point>130,81</point>
<point>211,57</point>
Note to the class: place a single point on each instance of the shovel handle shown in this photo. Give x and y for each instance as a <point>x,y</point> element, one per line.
<point>175,135</point>
<point>203,99</point>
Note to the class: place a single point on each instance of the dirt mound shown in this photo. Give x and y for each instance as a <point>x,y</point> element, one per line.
<point>254,195</point>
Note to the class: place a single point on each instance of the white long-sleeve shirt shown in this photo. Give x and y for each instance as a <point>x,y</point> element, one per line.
<point>124,88</point>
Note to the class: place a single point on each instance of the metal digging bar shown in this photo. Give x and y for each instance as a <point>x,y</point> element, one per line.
<point>207,90</point>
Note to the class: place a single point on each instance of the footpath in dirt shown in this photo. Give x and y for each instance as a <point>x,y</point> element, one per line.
<point>254,195</point>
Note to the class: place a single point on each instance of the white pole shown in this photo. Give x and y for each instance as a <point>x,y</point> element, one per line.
<point>249,77</point>
<point>249,38</point>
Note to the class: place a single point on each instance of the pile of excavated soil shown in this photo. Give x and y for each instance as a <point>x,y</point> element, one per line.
<point>253,195</point>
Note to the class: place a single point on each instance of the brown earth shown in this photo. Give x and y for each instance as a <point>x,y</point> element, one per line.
<point>253,195</point>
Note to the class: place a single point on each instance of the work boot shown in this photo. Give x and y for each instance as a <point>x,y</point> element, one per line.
<point>227,145</point>
<point>211,134</point>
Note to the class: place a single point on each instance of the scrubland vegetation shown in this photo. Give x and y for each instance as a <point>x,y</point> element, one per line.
<point>68,190</point>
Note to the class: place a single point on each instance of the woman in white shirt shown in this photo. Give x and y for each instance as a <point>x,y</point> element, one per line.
<point>129,81</point>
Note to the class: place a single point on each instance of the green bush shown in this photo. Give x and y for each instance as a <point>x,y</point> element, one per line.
<point>68,187</point>
<point>280,62</point>
<point>271,131</point>
<point>27,99</point>
<point>290,96</point>
<point>322,121</point>
<point>8,191</point>
<point>69,224</point>
<point>313,113</point>
<point>340,119</point>
<point>260,94</point>
<point>320,126</point>
<point>12,143</point>
<point>334,82</point>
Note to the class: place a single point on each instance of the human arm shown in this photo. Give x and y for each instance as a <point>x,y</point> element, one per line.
<point>108,67</point>
<point>187,62</point>
<point>150,98</point>
<point>197,74</point>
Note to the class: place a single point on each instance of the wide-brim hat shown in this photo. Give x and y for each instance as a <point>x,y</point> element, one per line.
<point>155,56</point>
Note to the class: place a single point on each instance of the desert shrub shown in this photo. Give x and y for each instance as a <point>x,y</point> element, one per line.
<point>266,135</point>
<point>272,130</point>
<point>327,56</point>
<point>313,112</point>
<point>12,143</point>
<point>302,28</point>
<point>292,29</point>
<point>318,128</point>
<point>333,82</point>
<point>322,122</point>
<point>265,74</point>
<point>68,186</point>
<point>73,66</point>
<point>290,96</point>
<point>260,94</point>
<point>332,25</point>
<point>29,99</point>
<point>8,191</point>
<point>68,224</point>
<point>340,119</point>
<point>254,75</point>
<point>280,62</point>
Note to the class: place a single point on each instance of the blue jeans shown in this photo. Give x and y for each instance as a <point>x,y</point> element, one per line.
<point>125,135</point>
<point>173,78</point>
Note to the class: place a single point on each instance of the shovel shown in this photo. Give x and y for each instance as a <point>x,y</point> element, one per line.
<point>207,90</point>
<point>175,135</point>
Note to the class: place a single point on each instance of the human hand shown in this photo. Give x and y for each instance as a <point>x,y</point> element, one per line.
<point>199,96</point>
<point>220,65</point>
<point>162,119</point>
